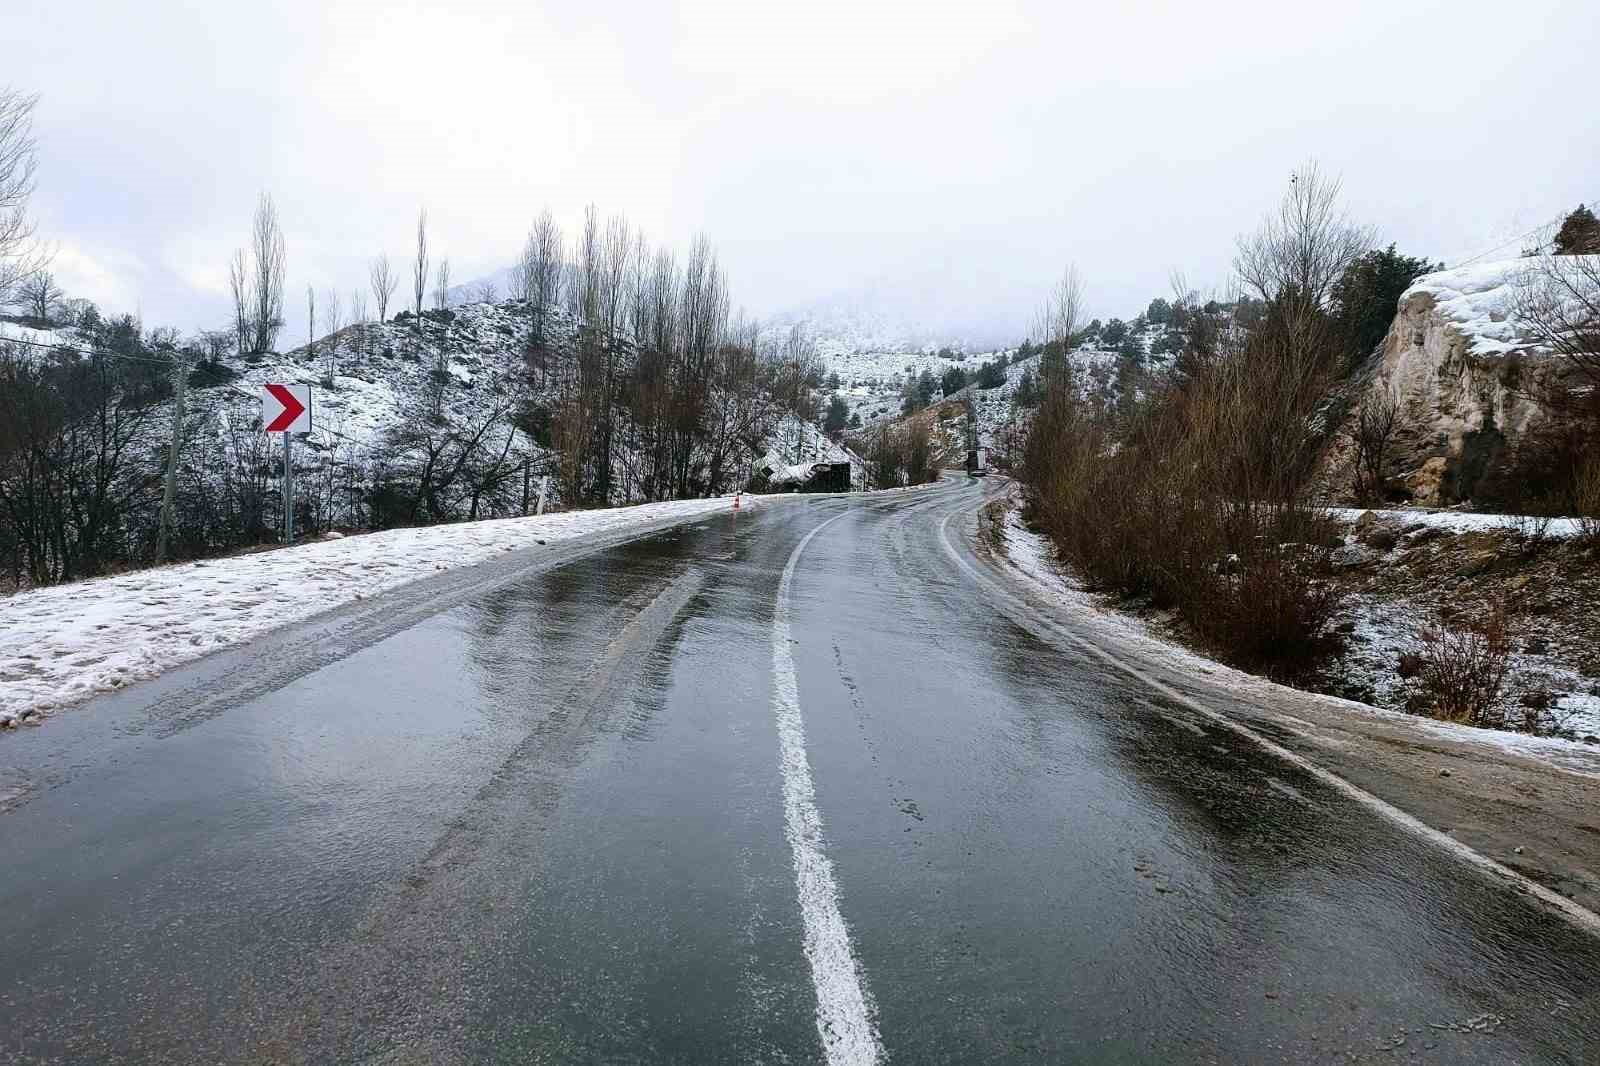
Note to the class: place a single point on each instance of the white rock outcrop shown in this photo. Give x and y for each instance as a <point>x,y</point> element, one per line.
<point>1460,365</point>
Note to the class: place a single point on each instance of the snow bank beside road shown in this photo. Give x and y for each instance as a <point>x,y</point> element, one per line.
<point>63,644</point>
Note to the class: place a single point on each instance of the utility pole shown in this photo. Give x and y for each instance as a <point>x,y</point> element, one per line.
<point>169,493</point>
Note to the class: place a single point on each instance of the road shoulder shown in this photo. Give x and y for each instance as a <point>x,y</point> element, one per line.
<point>1527,803</point>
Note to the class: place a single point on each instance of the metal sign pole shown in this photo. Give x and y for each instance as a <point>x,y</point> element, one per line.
<point>288,492</point>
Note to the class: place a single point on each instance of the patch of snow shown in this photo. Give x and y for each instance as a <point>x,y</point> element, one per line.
<point>12,331</point>
<point>1470,521</point>
<point>1580,712</point>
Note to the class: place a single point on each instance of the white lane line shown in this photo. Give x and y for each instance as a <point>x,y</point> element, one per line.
<point>1013,606</point>
<point>844,1009</point>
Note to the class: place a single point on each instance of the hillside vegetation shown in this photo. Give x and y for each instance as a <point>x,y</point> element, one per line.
<point>619,375</point>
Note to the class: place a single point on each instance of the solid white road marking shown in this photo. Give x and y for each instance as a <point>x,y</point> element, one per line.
<point>844,1009</point>
<point>1575,912</point>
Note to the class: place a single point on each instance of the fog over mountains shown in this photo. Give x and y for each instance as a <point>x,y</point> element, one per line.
<point>884,315</point>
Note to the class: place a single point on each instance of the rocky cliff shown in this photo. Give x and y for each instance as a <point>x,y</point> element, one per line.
<point>1460,368</point>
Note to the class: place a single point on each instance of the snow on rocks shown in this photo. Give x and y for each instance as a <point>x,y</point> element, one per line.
<point>1481,300</point>
<point>63,644</point>
<point>1468,521</point>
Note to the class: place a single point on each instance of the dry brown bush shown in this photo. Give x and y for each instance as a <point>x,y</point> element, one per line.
<point>1588,501</point>
<point>1466,663</point>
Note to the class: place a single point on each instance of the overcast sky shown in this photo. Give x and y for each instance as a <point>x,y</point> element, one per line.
<point>948,158</point>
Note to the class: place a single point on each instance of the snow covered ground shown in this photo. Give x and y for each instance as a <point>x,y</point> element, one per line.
<point>1032,558</point>
<point>63,644</point>
<point>1471,521</point>
<point>13,331</point>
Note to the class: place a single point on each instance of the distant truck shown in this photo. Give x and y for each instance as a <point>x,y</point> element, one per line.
<point>978,462</point>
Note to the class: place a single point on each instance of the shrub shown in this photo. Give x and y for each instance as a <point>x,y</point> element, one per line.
<point>1588,501</point>
<point>1276,608</point>
<point>1192,497</point>
<point>1465,665</point>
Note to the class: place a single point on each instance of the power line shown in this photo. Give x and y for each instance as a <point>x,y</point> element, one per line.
<point>1521,237</point>
<point>92,354</point>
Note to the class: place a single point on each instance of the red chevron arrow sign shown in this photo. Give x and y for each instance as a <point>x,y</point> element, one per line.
<point>286,408</point>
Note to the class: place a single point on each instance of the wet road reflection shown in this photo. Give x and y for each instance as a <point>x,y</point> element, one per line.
<point>546,824</point>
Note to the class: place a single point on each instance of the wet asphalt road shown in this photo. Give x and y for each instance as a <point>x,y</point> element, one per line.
<point>540,813</point>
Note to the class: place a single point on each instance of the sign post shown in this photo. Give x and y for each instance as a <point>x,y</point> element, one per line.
<point>286,409</point>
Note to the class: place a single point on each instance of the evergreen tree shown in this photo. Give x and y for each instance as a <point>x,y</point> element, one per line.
<point>911,400</point>
<point>1027,394</point>
<point>837,415</point>
<point>953,380</point>
<point>1579,233</point>
<point>1365,296</point>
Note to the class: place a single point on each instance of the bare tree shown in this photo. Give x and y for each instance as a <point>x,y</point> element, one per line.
<point>523,273</point>
<point>590,257</point>
<point>40,296</point>
<point>1377,421</point>
<point>243,299</point>
<point>20,255</point>
<point>359,317</point>
<point>1304,246</point>
<point>419,268</point>
<point>266,243</point>
<point>638,292</point>
<point>1057,319</point>
<point>546,254</point>
<point>487,292</point>
<point>441,285</point>
<point>382,278</point>
<point>613,270</point>
<point>311,322</point>
<point>663,301</point>
<point>615,257</point>
<point>1558,309</point>
<point>332,323</point>
<point>441,355</point>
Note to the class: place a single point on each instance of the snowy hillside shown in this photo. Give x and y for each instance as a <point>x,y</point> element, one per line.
<point>413,422</point>
<point>12,331</point>
<point>872,383</point>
